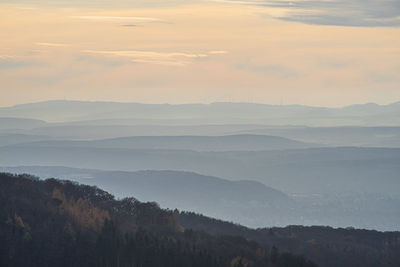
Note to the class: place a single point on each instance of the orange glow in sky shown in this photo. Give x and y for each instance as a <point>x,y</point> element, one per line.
<point>196,52</point>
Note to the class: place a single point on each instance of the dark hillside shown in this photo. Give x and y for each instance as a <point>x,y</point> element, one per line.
<point>326,246</point>
<point>61,223</point>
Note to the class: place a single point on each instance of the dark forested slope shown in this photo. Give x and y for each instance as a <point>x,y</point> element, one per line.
<point>61,223</point>
<point>326,246</point>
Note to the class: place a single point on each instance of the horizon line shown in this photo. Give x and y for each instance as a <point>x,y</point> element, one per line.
<point>195,103</point>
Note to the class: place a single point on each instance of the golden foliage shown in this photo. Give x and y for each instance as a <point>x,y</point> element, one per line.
<point>240,261</point>
<point>82,212</point>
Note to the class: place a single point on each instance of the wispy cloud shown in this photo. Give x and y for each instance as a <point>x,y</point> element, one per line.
<point>238,2</point>
<point>217,52</point>
<point>52,44</point>
<point>118,18</point>
<point>152,57</point>
<point>366,13</point>
<point>129,25</point>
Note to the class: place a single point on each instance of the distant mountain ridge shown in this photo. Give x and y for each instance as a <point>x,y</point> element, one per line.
<point>20,123</point>
<point>242,142</point>
<point>7,139</point>
<point>371,136</point>
<point>312,170</point>
<point>62,110</point>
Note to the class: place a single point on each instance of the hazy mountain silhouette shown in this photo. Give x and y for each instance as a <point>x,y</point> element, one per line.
<point>336,136</point>
<point>19,123</point>
<point>215,113</point>
<point>244,142</point>
<point>300,171</point>
<point>12,139</point>
<point>373,136</point>
<point>329,175</point>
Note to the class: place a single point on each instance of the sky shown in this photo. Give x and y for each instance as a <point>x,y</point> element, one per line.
<point>319,53</point>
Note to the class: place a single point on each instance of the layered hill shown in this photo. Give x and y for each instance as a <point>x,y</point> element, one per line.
<point>215,113</point>
<point>246,202</point>
<point>299,171</point>
<point>244,142</point>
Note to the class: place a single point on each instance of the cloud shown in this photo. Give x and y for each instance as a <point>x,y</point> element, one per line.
<point>364,13</point>
<point>238,2</point>
<point>152,57</point>
<point>118,19</point>
<point>107,4</point>
<point>217,52</point>
<point>53,44</point>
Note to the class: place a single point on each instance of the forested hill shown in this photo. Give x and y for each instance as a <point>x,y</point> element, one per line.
<point>327,246</point>
<point>61,223</point>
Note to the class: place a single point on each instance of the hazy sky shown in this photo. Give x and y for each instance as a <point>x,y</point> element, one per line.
<point>329,53</point>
